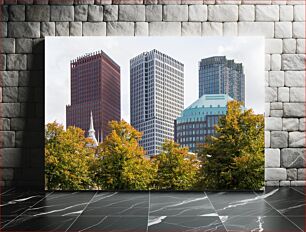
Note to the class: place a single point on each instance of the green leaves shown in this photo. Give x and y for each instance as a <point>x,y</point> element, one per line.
<point>67,158</point>
<point>234,158</point>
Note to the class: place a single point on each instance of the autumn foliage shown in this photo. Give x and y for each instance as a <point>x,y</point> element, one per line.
<point>232,159</point>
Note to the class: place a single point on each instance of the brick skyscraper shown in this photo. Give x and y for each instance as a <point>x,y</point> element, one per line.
<point>95,86</point>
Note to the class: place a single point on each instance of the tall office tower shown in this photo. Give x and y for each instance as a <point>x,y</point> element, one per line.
<point>157,97</point>
<point>197,121</point>
<point>217,75</point>
<point>95,86</point>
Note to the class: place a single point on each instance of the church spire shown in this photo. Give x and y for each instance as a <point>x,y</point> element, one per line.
<point>91,131</point>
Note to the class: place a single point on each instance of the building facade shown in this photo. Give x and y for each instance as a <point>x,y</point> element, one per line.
<point>197,121</point>
<point>217,75</point>
<point>95,87</point>
<point>157,97</point>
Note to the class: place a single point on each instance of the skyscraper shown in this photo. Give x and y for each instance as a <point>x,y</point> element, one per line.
<point>197,121</point>
<point>95,86</point>
<point>157,97</point>
<point>217,75</point>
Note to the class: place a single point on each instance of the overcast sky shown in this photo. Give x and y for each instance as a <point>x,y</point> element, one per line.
<point>59,51</point>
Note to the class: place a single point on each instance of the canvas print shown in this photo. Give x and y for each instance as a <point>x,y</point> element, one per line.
<point>154,113</point>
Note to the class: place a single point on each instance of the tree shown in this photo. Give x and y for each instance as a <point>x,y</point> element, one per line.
<point>67,158</point>
<point>234,157</point>
<point>121,163</point>
<point>177,169</point>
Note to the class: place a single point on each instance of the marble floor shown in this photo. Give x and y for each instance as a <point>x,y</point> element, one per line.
<point>275,210</point>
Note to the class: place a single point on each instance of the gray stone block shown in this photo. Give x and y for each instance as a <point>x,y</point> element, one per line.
<point>191,29</point>
<point>165,29</point>
<point>276,106</point>
<point>294,110</point>
<point>302,124</point>
<point>230,29</point>
<point>24,94</point>
<point>8,138</point>
<point>299,13</point>
<point>300,46</point>
<point>62,13</point>
<point>272,158</point>
<point>62,29</point>
<point>276,113</point>
<point>279,139</point>
<point>275,174</point>
<point>292,174</point>
<point>273,46</point>
<point>4,15</point>
<point>154,13</point>
<point>296,139</point>
<point>298,183</point>
<point>267,13</point>
<point>80,12</point>
<point>6,124</point>
<point>298,30</point>
<point>110,13</point>
<point>23,45</point>
<point>2,62</point>
<point>295,78</point>
<point>24,29</point>
<point>103,2</point>
<point>275,62</point>
<point>8,174</point>
<point>38,13</point>
<point>75,29</point>
<point>273,123</point>
<point>271,94</point>
<point>60,2</point>
<point>283,30</point>
<point>290,124</point>
<point>297,94</point>
<point>17,13</point>
<point>11,109</point>
<point>274,183</point>
<point>222,13</point>
<point>301,174</point>
<point>18,124</point>
<point>131,13</point>
<point>94,28</point>
<point>289,46</point>
<point>267,139</point>
<point>293,157</point>
<point>141,29</point>
<point>9,94</point>
<point>276,79</point>
<point>95,13</point>
<point>8,45</point>
<point>12,157</point>
<point>212,29</point>
<point>284,183</point>
<point>283,94</point>
<point>256,28</point>
<point>175,13</point>
<point>47,29</point>
<point>285,13</point>
<point>16,62</point>
<point>120,28</point>
<point>3,31</point>
<point>197,13</point>
<point>9,78</point>
<point>246,13</point>
<point>293,61</point>
<point>84,2</point>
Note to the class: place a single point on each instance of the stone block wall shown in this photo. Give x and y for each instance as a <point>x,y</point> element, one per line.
<point>25,23</point>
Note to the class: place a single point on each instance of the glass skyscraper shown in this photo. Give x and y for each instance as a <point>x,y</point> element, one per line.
<point>217,75</point>
<point>157,97</point>
<point>198,120</point>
